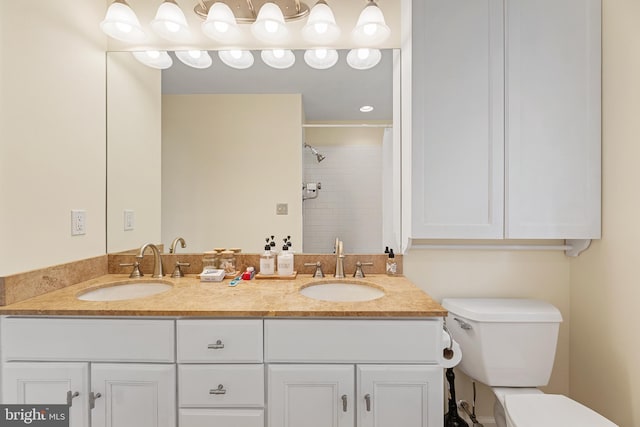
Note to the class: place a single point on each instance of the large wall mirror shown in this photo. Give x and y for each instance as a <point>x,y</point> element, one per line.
<point>226,158</point>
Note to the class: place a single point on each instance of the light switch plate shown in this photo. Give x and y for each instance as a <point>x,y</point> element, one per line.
<point>129,219</point>
<point>78,222</point>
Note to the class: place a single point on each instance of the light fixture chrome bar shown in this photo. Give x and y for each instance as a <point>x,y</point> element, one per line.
<point>245,11</point>
<point>252,9</point>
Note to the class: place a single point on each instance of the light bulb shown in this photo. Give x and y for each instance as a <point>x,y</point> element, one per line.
<point>125,28</point>
<point>221,27</point>
<point>195,54</point>
<point>172,27</point>
<point>363,53</point>
<point>221,24</point>
<point>153,54</point>
<point>321,27</point>
<point>278,53</point>
<point>321,53</point>
<point>237,54</point>
<point>170,22</point>
<point>369,29</point>
<point>271,26</point>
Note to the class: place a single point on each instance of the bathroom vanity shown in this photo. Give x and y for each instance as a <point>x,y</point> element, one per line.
<point>201,354</point>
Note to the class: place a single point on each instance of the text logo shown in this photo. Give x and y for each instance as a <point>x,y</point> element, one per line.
<point>34,415</point>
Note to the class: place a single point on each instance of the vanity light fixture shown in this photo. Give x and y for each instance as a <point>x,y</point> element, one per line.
<point>269,26</point>
<point>321,59</point>
<point>154,58</point>
<point>321,28</point>
<point>221,24</point>
<point>363,58</point>
<point>278,58</point>
<point>170,22</point>
<point>235,58</point>
<point>194,58</point>
<point>371,28</point>
<point>121,23</point>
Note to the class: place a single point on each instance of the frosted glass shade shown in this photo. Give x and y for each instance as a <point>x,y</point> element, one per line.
<point>321,59</point>
<point>321,28</point>
<point>221,24</point>
<point>269,26</point>
<point>170,22</point>
<point>371,28</point>
<point>154,59</point>
<point>195,58</point>
<point>278,58</point>
<point>363,58</point>
<point>239,59</point>
<point>121,23</point>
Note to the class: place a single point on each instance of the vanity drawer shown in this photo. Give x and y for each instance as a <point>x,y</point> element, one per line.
<point>352,341</point>
<point>221,385</point>
<point>219,341</point>
<point>89,340</point>
<point>221,418</point>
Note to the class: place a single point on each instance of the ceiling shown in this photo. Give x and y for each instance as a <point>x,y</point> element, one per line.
<point>335,94</point>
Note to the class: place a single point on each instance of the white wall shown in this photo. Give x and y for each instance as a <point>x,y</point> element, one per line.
<point>134,122</point>
<point>52,131</point>
<point>605,295</point>
<point>227,160</point>
<point>349,205</point>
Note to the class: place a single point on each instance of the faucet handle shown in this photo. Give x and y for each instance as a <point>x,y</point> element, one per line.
<point>177,272</point>
<point>359,274</point>
<point>136,273</point>
<point>318,273</point>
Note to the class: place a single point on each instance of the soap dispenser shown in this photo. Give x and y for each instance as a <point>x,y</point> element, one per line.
<point>285,259</point>
<point>267,261</point>
<point>392,266</point>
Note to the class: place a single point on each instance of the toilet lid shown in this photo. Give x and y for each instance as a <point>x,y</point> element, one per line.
<point>550,410</point>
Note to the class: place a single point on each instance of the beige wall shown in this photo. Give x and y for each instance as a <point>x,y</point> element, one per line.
<point>227,160</point>
<point>52,131</point>
<point>525,274</point>
<point>605,294</point>
<point>134,121</point>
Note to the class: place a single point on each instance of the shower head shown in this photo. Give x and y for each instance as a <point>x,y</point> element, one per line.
<point>319,156</point>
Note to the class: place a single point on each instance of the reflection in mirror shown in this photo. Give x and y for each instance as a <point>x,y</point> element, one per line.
<point>210,154</point>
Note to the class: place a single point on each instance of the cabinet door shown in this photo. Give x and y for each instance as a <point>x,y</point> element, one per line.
<point>133,395</point>
<point>399,395</point>
<point>311,395</point>
<point>457,119</point>
<point>553,119</point>
<point>49,383</point>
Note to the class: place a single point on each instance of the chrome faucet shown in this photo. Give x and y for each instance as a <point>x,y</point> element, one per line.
<point>157,259</point>
<point>339,260</point>
<point>183,244</point>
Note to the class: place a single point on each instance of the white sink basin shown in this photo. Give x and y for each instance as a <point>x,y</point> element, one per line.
<point>342,291</point>
<point>125,291</point>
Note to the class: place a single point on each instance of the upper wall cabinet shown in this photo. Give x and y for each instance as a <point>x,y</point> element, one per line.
<point>505,119</point>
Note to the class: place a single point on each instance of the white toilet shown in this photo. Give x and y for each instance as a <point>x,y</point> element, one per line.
<point>510,345</point>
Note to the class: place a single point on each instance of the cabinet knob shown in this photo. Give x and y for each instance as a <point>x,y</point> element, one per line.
<point>92,399</point>
<point>219,390</point>
<point>344,403</point>
<point>218,345</point>
<point>70,396</point>
<point>367,401</point>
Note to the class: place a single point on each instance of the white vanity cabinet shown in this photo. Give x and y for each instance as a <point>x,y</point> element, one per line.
<point>505,119</point>
<point>343,373</point>
<point>220,372</point>
<point>115,372</point>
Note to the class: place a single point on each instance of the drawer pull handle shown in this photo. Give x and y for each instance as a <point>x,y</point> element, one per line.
<point>219,390</point>
<point>367,401</point>
<point>344,403</point>
<point>218,345</point>
<point>70,396</point>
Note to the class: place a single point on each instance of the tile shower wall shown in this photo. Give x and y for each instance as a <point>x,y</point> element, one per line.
<point>349,205</point>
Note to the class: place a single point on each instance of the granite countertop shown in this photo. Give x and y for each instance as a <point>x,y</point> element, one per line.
<point>254,298</point>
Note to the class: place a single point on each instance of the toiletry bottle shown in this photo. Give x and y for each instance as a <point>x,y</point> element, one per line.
<point>392,266</point>
<point>285,262</point>
<point>267,261</point>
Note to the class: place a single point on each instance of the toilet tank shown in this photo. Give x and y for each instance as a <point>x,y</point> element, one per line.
<point>505,342</point>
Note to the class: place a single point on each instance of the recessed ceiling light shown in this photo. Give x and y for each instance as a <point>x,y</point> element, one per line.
<point>366,108</point>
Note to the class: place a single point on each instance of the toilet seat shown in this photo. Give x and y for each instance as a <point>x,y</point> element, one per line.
<point>550,410</point>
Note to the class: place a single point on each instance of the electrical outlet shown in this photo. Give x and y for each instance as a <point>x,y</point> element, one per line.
<point>282,209</point>
<point>129,220</point>
<point>78,222</point>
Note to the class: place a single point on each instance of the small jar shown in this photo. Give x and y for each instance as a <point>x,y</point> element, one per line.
<point>228,262</point>
<point>210,259</point>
